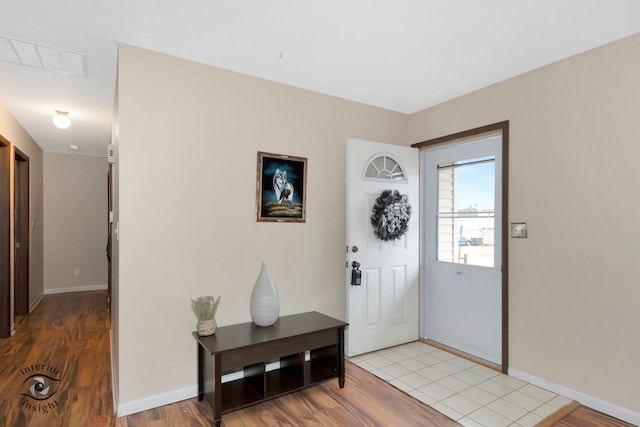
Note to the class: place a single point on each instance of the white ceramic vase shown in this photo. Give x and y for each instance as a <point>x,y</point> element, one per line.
<point>265,304</point>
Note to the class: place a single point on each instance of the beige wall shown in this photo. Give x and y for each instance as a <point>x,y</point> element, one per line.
<point>188,138</point>
<point>575,148</point>
<point>75,229</point>
<point>11,130</point>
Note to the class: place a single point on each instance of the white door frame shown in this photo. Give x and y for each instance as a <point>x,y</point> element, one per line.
<point>503,127</point>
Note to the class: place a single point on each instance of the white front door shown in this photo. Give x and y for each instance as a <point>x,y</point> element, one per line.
<point>462,297</point>
<point>383,310</point>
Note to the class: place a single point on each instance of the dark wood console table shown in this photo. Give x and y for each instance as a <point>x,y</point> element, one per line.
<point>249,348</point>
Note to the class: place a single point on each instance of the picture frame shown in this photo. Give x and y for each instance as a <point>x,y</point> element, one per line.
<point>281,190</point>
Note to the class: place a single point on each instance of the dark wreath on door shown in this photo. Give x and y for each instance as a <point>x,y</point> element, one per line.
<point>281,188</point>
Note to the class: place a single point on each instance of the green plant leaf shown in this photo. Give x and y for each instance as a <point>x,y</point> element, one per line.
<point>205,307</point>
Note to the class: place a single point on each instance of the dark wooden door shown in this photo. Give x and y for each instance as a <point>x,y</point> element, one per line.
<point>21,233</point>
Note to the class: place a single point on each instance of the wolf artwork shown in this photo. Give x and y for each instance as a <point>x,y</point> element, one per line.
<point>283,188</point>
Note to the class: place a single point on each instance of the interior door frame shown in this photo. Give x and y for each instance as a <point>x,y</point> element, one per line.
<point>109,231</point>
<point>5,238</point>
<point>504,128</point>
<point>21,233</point>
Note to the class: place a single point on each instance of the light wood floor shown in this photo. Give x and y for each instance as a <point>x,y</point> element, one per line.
<point>69,332</point>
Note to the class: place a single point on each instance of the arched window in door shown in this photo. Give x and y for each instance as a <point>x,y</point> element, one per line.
<point>385,166</point>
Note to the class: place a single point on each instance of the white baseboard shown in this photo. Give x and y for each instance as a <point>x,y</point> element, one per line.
<point>69,289</point>
<point>35,303</point>
<point>590,401</point>
<point>151,402</point>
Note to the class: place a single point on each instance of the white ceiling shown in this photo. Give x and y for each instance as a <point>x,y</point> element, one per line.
<point>403,55</point>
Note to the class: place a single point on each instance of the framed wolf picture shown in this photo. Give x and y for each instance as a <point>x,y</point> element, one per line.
<point>282,188</point>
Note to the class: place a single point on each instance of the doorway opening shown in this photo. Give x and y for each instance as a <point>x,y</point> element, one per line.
<point>5,239</point>
<point>464,286</point>
<point>109,232</point>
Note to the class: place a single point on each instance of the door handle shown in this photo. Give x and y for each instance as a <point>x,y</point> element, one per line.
<point>356,274</point>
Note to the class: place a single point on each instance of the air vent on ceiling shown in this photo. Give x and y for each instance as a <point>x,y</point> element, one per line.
<point>45,57</point>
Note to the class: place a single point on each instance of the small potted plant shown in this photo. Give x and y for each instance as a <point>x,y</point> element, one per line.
<point>205,310</point>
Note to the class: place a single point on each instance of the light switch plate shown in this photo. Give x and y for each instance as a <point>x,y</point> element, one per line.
<point>519,230</point>
<point>111,153</point>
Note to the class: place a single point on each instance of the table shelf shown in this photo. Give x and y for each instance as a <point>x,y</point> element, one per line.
<point>241,346</point>
<point>240,393</point>
<point>315,373</point>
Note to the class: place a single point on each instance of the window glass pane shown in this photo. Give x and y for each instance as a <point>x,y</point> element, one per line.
<point>372,172</point>
<point>466,216</point>
<point>395,171</point>
<point>379,163</point>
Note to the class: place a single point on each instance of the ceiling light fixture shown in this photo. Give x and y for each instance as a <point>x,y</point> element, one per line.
<point>61,119</point>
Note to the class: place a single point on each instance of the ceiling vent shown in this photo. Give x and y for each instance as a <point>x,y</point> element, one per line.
<point>45,57</point>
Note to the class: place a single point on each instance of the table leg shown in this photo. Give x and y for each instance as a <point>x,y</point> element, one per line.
<point>200,372</point>
<point>217,390</point>
<point>341,358</point>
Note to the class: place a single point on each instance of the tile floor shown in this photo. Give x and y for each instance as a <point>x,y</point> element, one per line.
<point>471,394</point>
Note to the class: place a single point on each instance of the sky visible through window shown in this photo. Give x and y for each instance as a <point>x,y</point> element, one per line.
<point>475,186</point>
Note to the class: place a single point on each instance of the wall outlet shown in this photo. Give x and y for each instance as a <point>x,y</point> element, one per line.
<point>519,230</point>
<point>76,272</point>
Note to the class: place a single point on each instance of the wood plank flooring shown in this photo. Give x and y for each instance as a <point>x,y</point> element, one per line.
<point>587,417</point>
<point>67,336</point>
<point>365,401</point>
